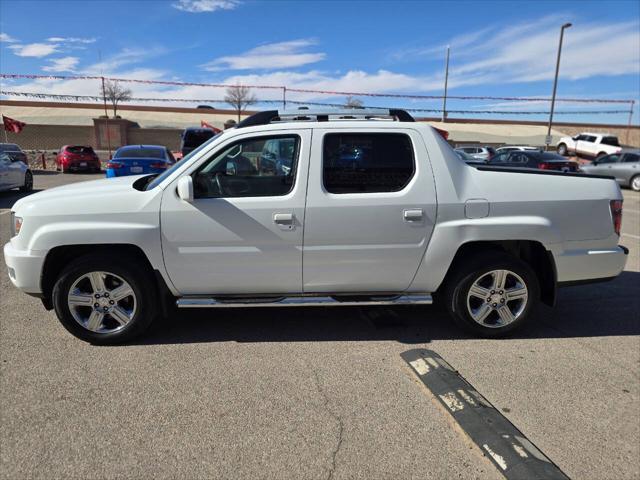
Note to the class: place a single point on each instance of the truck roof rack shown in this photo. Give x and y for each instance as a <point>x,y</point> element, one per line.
<point>271,116</point>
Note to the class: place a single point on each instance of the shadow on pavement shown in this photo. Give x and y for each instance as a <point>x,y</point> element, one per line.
<point>607,309</point>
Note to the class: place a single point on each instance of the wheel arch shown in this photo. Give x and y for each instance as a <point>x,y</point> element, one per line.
<point>58,257</point>
<point>533,253</point>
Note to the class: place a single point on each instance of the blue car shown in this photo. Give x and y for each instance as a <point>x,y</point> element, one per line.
<point>139,160</point>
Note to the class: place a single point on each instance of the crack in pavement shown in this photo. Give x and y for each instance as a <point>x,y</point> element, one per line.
<point>338,419</point>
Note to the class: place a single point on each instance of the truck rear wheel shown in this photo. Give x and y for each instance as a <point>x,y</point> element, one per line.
<point>103,300</point>
<point>492,296</point>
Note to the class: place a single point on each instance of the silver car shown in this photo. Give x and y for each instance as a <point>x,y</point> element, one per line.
<point>14,173</point>
<point>623,166</point>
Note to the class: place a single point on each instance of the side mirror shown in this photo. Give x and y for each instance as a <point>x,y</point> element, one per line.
<point>231,169</point>
<point>185,188</point>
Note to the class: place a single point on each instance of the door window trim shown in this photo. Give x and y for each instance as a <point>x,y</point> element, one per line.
<point>366,133</point>
<point>249,138</point>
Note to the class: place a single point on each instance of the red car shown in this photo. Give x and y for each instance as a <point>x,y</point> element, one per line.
<point>75,158</point>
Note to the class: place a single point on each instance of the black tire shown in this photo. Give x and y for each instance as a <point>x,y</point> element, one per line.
<point>140,280</point>
<point>28,182</point>
<point>634,183</point>
<point>461,281</point>
<point>562,150</point>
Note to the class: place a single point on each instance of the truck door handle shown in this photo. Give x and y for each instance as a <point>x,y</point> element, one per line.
<point>283,218</point>
<point>413,215</point>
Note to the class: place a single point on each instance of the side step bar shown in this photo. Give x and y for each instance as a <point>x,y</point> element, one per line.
<point>309,301</point>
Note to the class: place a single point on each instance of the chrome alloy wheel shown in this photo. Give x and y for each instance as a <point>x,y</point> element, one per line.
<point>102,302</point>
<point>497,298</point>
<point>635,183</point>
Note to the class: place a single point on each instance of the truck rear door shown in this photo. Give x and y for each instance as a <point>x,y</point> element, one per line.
<point>371,208</point>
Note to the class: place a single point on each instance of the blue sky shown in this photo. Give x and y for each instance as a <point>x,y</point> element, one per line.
<point>497,49</point>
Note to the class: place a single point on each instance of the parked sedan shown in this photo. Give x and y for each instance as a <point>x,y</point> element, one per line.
<point>139,159</point>
<point>522,148</point>
<point>14,152</point>
<point>75,158</point>
<point>534,159</point>
<point>14,174</point>
<point>624,167</point>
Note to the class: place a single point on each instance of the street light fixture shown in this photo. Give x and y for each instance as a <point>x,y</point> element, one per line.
<point>555,85</point>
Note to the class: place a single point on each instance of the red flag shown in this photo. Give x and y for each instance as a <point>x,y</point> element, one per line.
<point>204,124</point>
<point>11,125</point>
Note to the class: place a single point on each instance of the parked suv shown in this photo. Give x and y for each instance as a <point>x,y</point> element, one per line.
<point>592,145</point>
<point>192,138</point>
<point>477,152</point>
<point>375,209</point>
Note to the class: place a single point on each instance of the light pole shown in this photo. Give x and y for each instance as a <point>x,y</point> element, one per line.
<point>555,85</point>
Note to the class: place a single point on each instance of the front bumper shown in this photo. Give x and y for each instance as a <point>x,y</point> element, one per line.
<point>25,268</point>
<point>590,264</point>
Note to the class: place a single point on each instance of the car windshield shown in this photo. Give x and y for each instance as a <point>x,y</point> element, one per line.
<point>195,138</point>
<point>140,152</point>
<point>160,178</point>
<point>9,147</point>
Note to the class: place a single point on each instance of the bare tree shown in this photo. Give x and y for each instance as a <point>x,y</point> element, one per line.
<point>115,93</point>
<point>352,102</point>
<point>239,97</point>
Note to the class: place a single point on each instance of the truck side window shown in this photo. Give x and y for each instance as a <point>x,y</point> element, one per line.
<point>367,162</point>
<point>243,170</point>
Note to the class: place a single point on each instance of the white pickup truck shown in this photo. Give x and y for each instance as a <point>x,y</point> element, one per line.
<point>594,145</point>
<point>355,208</point>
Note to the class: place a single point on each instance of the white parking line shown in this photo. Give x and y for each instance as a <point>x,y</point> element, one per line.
<point>631,235</point>
<point>5,211</point>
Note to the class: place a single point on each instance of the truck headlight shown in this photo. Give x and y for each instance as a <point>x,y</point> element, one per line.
<point>16,224</point>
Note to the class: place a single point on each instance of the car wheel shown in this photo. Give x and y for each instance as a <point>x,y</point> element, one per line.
<point>635,183</point>
<point>28,182</point>
<point>492,296</point>
<point>103,300</point>
<point>562,150</point>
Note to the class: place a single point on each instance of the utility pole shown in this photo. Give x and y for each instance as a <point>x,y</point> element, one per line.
<point>284,98</point>
<point>555,86</point>
<point>446,81</point>
<point>106,121</point>
<point>628,126</point>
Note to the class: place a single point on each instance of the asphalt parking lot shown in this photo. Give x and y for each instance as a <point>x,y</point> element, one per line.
<point>316,393</point>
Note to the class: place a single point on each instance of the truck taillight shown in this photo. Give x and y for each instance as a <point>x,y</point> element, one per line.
<point>616,215</point>
<point>442,133</point>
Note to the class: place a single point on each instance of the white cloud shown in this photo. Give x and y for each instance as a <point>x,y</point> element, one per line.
<point>6,38</point>
<point>64,64</point>
<point>126,56</point>
<point>71,40</point>
<point>267,57</point>
<point>526,52</point>
<point>35,49</point>
<point>201,6</point>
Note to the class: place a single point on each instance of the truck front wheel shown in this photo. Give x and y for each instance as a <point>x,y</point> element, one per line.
<point>492,296</point>
<point>562,150</point>
<point>103,300</point>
